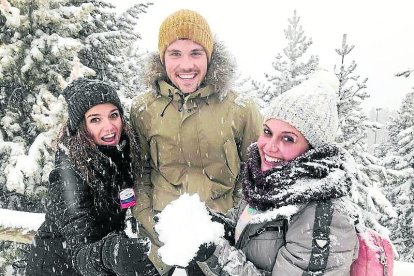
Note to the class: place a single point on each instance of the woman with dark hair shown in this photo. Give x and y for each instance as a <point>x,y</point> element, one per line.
<point>96,163</point>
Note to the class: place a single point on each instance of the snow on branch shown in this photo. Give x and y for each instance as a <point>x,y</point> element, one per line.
<point>19,226</point>
<point>405,73</point>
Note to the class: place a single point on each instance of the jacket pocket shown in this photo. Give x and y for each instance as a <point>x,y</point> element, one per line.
<point>154,152</point>
<point>232,157</point>
<point>261,243</point>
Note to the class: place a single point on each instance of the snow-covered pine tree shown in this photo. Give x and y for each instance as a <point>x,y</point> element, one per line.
<point>291,67</point>
<point>246,90</point>
<point>352,92</point>
<point>354,127</point>
<point>399,161</point>
<point>44,45</point>
<point>112,50</point>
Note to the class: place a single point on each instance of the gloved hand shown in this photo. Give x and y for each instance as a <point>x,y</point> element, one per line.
<point>229,229</point>
<point>204,252</point>
<point>125,256</point>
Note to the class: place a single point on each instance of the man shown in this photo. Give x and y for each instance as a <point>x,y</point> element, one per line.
<point>193,129</point>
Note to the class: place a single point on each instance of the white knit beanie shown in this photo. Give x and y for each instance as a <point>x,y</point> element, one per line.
<point>310,107</point>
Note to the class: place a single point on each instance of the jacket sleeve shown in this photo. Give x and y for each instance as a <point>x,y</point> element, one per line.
<point>73,214</point>
<point>76,219</point>
<point>234,213</point>
<point>227,260</point>
<point>293,258</point>
<point>73,208</point>
<point>143,210</point>
<point>249,134</point>
<point>252,128</point>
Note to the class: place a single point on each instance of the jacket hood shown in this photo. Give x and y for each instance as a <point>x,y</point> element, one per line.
<point>220,72</point>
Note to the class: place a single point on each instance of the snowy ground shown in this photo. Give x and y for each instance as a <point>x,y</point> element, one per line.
<point>400,269</point>
<point>403,269</point>
<point>31,221</point>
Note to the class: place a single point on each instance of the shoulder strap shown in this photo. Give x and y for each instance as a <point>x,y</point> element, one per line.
<point>320,239</point>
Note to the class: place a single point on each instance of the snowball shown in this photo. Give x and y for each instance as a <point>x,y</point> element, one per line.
<point>183,226</point>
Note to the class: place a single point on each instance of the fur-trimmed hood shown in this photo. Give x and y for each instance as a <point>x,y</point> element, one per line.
<point>220,73</point>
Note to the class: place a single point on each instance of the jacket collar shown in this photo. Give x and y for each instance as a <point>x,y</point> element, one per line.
<point>167,90</point>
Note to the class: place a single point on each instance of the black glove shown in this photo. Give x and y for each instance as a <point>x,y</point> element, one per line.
<point>229,229</point>
<point>125,256</point>
<point>204,252</point>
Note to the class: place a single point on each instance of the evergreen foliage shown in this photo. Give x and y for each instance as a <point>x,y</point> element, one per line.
<point>44,45</point>
<point>291,67</point>
<point>354,127</point>
<point>399,160</point>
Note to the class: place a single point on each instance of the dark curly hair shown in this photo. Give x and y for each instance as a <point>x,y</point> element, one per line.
<point>81,149</point>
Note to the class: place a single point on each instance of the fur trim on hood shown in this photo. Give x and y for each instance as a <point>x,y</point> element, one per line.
<point>220,72</point>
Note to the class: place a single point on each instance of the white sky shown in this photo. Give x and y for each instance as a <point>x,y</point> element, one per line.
<point>382,32</point>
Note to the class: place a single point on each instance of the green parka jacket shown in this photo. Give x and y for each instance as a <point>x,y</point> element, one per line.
<point>194,143</point>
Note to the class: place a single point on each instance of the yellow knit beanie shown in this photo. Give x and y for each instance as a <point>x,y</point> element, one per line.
<point>185,24</point>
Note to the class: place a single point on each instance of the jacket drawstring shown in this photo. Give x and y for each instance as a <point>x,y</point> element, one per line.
<point>203,99</point>
<point>182,100</point>
<point>171,96</point>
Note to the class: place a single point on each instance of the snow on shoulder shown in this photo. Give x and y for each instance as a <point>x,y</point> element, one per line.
<point>183,226</point>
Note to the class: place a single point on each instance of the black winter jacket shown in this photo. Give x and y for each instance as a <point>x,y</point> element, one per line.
<point>82,233</point>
